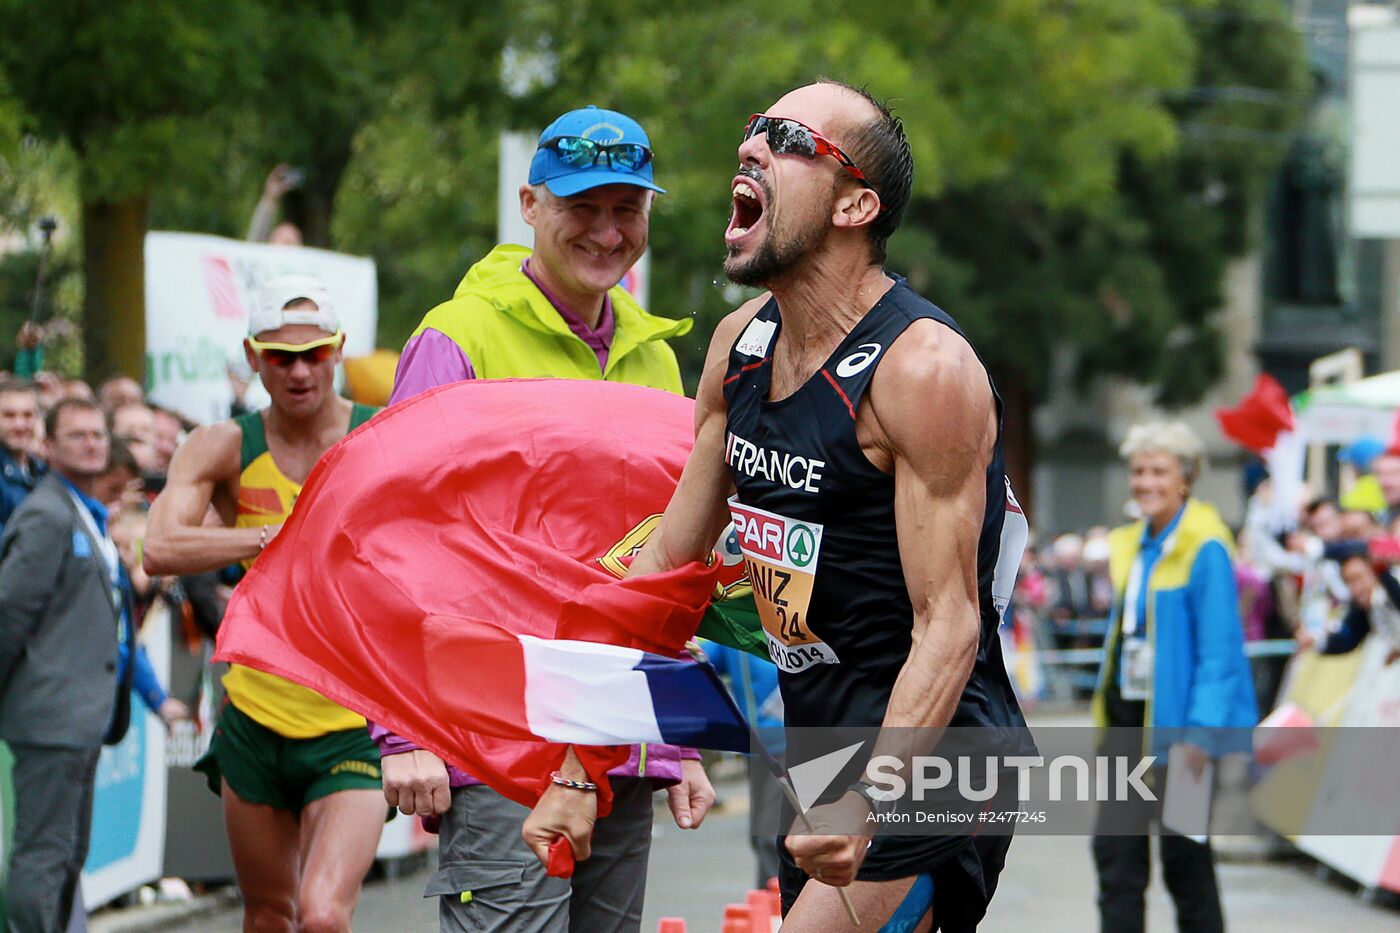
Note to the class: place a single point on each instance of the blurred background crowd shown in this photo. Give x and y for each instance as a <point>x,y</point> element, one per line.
<point>1322,584</point>
<point>143,438</point>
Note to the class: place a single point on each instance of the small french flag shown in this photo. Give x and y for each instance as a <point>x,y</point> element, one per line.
<point>577,692</point>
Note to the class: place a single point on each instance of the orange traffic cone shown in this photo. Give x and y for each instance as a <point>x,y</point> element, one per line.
<point>757,902</point>
<point>775,904</point>
<point>737,919</point>
<point>671,925</point>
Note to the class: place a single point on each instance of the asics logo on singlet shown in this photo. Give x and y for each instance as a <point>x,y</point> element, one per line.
<point>791,470</point>
<point>865,355</point>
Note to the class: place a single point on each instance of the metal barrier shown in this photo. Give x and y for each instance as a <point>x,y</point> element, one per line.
<point>1075,671</point>
<point>1272,648</point>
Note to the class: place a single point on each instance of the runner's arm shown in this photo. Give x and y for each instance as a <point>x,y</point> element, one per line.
<point>934,409</point>
<point>177,541</point>
<point>699,509</point>
<point>933,426</point>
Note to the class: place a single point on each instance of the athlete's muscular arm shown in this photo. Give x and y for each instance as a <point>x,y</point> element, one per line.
<point>935,411</point>
<point>698,511</point>
<point>931,421</point>
<point>177,541</point>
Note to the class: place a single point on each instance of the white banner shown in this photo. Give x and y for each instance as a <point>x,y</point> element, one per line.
<point>1372,701</point>
<point>1374,183</point>
<point>198,292</point>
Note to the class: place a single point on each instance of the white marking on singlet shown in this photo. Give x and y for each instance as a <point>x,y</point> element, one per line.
<point>756,338</point>
<point>860,360</point>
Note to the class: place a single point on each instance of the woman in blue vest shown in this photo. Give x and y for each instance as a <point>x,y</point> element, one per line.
<point>1174,664</point>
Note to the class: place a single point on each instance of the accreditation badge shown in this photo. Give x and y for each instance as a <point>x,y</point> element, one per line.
<point>1135,668</point>
<point>782,556</point>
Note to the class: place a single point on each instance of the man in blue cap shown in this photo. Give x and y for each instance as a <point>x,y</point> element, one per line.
<point>555,311</point>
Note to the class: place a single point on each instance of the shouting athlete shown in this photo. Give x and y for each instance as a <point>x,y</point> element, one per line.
<point>861,436</point>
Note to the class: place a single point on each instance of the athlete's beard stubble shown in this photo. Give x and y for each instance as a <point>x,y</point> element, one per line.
<point>772,261</point>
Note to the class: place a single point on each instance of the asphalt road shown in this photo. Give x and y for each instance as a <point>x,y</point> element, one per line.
<point>1048,886</point>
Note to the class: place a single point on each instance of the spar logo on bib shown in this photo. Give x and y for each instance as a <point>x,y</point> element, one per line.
<point>801,545</point>
<point>760,534</point>
<point>782,556</point>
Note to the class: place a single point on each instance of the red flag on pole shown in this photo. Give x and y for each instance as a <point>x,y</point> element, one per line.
<point>512,503</point>
<point>1260,417</point>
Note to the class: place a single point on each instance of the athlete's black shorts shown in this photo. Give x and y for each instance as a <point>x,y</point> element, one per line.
<point>965,873</point>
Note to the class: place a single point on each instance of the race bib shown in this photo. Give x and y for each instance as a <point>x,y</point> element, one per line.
<point>782,556</point>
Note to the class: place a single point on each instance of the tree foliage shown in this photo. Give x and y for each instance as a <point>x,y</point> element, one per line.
<point>391,111</point>
<point>1076,181</point>
<point>124,84</point>
<point>1085,169</point>
<point>37,179</point>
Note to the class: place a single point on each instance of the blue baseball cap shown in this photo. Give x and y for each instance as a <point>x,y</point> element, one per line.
<point>605,127</point>
<point>1362,452</point>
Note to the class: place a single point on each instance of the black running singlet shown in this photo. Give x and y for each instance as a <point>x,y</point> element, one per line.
<point>816,523</point>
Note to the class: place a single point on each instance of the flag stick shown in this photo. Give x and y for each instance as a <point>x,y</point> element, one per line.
<point>806,824</point>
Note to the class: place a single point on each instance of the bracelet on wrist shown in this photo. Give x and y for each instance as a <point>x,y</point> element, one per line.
<point>556,778</point>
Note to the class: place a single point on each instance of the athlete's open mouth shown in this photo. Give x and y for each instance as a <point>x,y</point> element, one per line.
<point>748,208</point>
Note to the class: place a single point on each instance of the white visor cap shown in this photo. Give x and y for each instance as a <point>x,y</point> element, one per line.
<point>274,296</point>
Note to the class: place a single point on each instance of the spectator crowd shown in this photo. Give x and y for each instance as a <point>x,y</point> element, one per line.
<point>142,438</point>
<point>1322,575</point>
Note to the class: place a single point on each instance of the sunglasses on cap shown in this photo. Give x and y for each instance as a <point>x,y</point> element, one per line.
<point>789,137</point>
<point>286,354</point>
<point>578,152</point>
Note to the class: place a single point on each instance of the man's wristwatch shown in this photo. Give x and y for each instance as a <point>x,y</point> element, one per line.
<point>879,808</point>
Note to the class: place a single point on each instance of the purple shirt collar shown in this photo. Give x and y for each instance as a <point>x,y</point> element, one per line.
<point>600,340</point>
